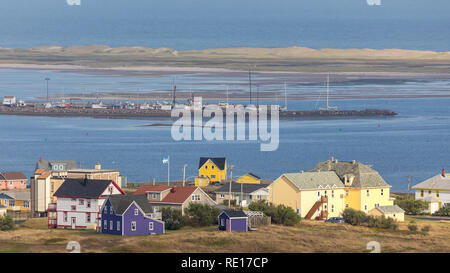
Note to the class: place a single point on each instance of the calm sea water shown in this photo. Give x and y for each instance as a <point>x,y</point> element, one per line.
<point>199,24</point>
<point>413,143</point>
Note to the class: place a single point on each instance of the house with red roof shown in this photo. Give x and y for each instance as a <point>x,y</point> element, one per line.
<point>177,197</point>
<point>13,181</point>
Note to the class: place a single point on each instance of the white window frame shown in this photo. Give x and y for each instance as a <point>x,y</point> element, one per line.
<point>118,225</point>
<point>136,212</point>
<point>88,203</point>
<point>133,226</point>
<point>151,226</point>
<point>111,225</point>
<point>88,217</point>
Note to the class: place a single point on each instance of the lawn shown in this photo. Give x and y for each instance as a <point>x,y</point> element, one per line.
<point>308,236</point>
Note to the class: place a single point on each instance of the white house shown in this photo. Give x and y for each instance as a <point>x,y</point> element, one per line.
<point>79,202</point>
<point>9,100</point>
<point>435,190</point>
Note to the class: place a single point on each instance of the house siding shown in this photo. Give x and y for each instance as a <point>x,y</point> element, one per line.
<point>106,215</point>
<point>142,223</point>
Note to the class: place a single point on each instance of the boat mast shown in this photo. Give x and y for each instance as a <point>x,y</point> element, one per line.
<point>328,89</point>
<point>250,82</point>
<point>285,96</point>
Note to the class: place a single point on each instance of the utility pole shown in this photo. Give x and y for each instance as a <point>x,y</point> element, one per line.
<point>409,182</point>
<point>47,79</point>
<point>231,181</point>
<point>168,170</point>
<point>250,82</point>
<point>184,174</point>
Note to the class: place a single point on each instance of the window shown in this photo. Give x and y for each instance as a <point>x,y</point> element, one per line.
<point>111,225</point>
<point>73,208</point>
<point>118,225</point>
<point>11,203</point>
<point>429,191</point>
<point>332,208</point>
<point>325,193</point>
<point>133,226</point>
<point>110,190</point>
<point>318,193</point>
<point>73,199</point>
<point>111,210</point>
<point>382,192</point>
<point>437,193</point>
<point>150,226</point>
<point>155,209</point>
<point>365,207</point>
<point>61,167</point>
<point>10,183</point>
<point>346,193</point>
<point>421,193</point>
<point>26,204</point>
<point>346,205</point>
<point>212,167</point>
<point>222,222</point>
<point>213,176</point>
<point>368,194</point>
<point>196,197</point>
<point>4,202</point>
<point>88,217</point>
<point>81,202</point>
<point>136,212</point>
<point>258,197</point>
<point>222,195</point>
<point>325,207</point>
<point>206,167</point>
<point>332,194</point>
<point>65,216</point>
<point>88,203</point>
<point>154,196</point>
<point>105,224</point>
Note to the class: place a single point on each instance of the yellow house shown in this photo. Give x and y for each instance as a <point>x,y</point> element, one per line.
<point>313,195</point>
<point>249,179</point>
<point>211,169</point>
<point>16,200</point>
<point>394,212</point>
<point>365,189</point>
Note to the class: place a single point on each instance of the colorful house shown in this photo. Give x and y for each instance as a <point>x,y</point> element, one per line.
<point>13,181</point>
<point>435,191</point>
<point>394,212</point>
<point>233,220</point>
<point>16,200</point>
<point>313,195</point>
<point>243,193</point>
<point>365,189</point>
<point>79,203</point>
<point>178,197</point>
<point>129,215</point>
<point>211,169</point>
<point>249,178</point>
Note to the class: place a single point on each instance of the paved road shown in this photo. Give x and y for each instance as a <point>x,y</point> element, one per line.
<point>431,218</point>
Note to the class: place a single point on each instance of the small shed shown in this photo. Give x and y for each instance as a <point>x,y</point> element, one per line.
<point>394,212</point>
<point>233,220</point>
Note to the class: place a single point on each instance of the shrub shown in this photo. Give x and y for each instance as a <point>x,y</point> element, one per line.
<point>232,202</point>
<point>443,211</point>
<point>381,222</point>
<point>354,217</point>
<point>7,223</point>
<point>172,218</point>
<point>280,214</point>
<point>426,229</point>
<point>410,205</point>
<point>412,227</point>
<point>201,215</point>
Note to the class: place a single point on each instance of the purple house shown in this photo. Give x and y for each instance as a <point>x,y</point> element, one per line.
<point>233,220</point>
<point>130,215</point>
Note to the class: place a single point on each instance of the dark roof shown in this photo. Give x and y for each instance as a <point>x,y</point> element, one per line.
<point>121,202</point>
<point>254,175</point>
<point>218,161</point>
<point>82,187</point>
<point>45,164</point>
<point>235,213</point>
<point>12,176</point>
<point>236,187</point>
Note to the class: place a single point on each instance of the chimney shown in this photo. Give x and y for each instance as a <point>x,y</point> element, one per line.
<point>172,190</point>
<point>85,180</point>
<point>40,159</point>
<point>98,166</point>
<point>443,172</point>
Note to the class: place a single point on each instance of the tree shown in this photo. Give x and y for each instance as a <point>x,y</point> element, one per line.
<point>443,211</point>
<point>279,214</point>
<point>201,215</point>
<point>410,205</point>
<point>173,218</point>
<point>6,223</point>
<point>354,217</point>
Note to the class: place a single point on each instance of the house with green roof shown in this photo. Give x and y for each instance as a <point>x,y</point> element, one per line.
<point>365,188</point>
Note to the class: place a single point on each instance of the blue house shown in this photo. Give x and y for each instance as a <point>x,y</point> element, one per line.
<point>233,220</point>
<point>129,215</point>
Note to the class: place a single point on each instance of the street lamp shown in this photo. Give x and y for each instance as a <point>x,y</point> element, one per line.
<point>47,79</point>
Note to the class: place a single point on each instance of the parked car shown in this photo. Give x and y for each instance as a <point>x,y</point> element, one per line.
<point>335,220</point>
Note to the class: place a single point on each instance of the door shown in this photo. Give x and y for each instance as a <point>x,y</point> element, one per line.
<point>73,222</point>
<point>228,225</point>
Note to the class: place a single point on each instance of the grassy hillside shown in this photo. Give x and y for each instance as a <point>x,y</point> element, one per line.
<point>308,236</point>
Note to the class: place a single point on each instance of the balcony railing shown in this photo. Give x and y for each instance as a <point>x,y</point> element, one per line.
<point>155,215</point>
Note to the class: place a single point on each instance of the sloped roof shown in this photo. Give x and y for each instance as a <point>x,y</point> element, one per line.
<point>391,209</point>
<point>253,175</point>
<point>236,187</point>
<point>314,180</point>
<point>12,176</point>
<point>177,194</point>
<point>151,188</point>
<point>435,182</point>
<point>365,177</point>
<point>218,161</point>
<point>17,195</point>
<point>82,188</point>
<point>121,202</point>
<point>45,164</point>
<point>234,213</point>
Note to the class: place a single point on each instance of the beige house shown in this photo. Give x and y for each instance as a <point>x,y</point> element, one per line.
<point>394,212</point>
<point>177,197</point>
<point>243,193</point>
